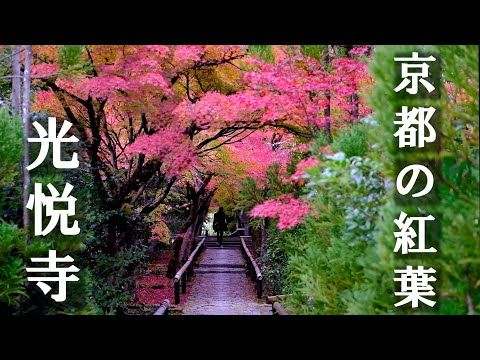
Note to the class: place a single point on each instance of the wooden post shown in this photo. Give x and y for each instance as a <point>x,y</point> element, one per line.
<point>177,293</point>
<point>190,270</point>
<point>259,288</point>
<point>184,283</point>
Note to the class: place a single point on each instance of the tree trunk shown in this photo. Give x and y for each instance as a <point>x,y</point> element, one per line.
<point>353,99</point>
<point>174,260</point>
<point>199,212</point>
<point>187,242</point>
<point>354,102</point>
<point>177,245</point>
<point>16,81</point>
<point>203,213</point>
<point>326,113</point>
<point>26,134</point>
<point>264,233</point>
<point>200,202</point>
<point>111,235</point>
<point>327,110</point>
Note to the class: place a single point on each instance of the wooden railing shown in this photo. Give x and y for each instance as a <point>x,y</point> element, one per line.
<point>186,271</point>
<point>252,268</point>
<point>277,308</point>
<point>163,309</point>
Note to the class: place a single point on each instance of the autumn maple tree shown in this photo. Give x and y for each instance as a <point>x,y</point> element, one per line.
<point>154,117</point>
<point>299,93</point>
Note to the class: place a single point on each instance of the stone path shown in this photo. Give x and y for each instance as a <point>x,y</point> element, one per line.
<point>221,286</point>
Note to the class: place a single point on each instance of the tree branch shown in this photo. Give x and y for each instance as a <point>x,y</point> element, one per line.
<point>218,135</point>
<point>11,55</point>
<point>153,205</point>
<point>32,77</point>
<point>229,140</point>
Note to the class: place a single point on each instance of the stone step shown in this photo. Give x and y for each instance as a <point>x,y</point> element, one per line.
<point>224,244</point>
<point>224,241</point>
<point>235,243</point>
<point>220,286</point>
<point>219,270</point>
<point>221,265</point>
<point>227,242</point>
<point>215,246</point>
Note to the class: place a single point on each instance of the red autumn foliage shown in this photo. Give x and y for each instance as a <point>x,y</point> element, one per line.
<point>286,208</point>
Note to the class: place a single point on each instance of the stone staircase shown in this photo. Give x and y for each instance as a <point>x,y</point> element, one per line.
<point>229,242</point>
<point>221,285</point>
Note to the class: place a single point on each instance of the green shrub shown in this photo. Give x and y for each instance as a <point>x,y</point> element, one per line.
<point>353,141</point>
<point>17,295</point>
<point>272,252</point>
<point>114,277</point>
<point>274,262</point>
<point>10,147</point>
<point>324,252</point>
<point>12,275</point>
<point>457,262</point>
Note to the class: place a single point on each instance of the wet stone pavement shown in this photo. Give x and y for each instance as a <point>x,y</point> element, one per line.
<point>221,287</point>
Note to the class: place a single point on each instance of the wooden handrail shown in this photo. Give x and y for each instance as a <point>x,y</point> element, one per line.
<point>163,309</point>
<point>185,266</point>
<point>252,260</point>
<point>276,298</point>
<point>278,309</point>
<point>252,268</point>
<point>186,270</point>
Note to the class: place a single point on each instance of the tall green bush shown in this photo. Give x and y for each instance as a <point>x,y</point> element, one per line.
<point>457,262</point>
<point>345,194</point>
<point>10,147</point>
<point>17,295</point>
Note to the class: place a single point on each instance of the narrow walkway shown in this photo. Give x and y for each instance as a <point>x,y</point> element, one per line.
<point>221,286</point>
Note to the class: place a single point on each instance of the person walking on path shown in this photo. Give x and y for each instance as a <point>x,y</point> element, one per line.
<point>220,224</point>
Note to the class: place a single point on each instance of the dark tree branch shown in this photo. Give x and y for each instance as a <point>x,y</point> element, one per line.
<point>153,205</point>
<point>11,55</point>
<point>187,88</point>
<point>218,135</point>
<point>91,61</point>
<point>229,140</point>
